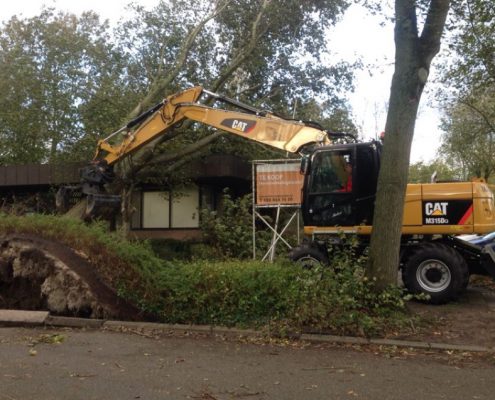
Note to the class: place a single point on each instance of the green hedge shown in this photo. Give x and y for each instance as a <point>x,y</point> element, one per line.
<point>279,295</point>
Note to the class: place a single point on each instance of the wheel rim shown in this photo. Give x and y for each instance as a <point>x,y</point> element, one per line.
<point>433,275</point>
<point>308,262</point>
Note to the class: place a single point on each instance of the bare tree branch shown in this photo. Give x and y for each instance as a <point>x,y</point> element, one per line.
<point>256,33</point>
<point>162,83</point>
<point>480,112</point>
<point>191,149</point>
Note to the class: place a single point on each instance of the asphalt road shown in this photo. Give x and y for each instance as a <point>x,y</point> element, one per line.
<point>74,364</point>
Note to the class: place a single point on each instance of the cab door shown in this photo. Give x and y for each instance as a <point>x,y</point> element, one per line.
<point>329,189</point>
<point>340,185</point>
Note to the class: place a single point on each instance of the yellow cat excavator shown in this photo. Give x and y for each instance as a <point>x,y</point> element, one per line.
<point>446,233</point>
<point>245,121</point>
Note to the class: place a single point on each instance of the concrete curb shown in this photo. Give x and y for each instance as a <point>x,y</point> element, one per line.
<point>22,318</point>
<point>70,322</point>
<point>159,327</point>
<point>396,343</point>
<point>42,318</point>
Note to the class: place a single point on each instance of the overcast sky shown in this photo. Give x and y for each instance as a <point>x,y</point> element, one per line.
<point>349,40</point>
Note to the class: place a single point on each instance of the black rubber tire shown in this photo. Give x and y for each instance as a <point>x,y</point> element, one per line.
<point>308,256</point>
<point>437,270</point>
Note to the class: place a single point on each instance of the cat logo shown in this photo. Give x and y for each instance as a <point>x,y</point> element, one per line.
<point>239,125</point>
<point>436,213</point>
<point>436,209</point>
<point>451,212</point>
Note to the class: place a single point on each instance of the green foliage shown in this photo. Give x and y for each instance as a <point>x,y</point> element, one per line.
<point>471,63</point>
<point>469,135</point>
<point>278,295</point>
<point>469,117</point>
<point>337,299</point>
<point>67,81</point>
<point>52,70</point>
<point>230,231</point>
<point>171,249</point>
<point>288,59</point>
<point>226,293</point>
<point>286,298</point>
<point>421,172</point>
<point>264,53</point>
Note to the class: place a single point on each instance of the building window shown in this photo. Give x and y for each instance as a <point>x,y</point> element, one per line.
<point>137,204</point>
<point>154,210</point>
<point>185,209</point>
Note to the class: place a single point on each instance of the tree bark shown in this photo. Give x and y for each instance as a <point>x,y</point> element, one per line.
<point>413,56</point>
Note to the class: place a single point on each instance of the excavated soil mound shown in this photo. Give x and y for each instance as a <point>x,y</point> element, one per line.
<point>39,274</point>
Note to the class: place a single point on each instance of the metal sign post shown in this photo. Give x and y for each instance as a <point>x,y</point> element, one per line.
<point>277,185</point>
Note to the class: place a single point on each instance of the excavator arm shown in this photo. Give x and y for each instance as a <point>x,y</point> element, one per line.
<point>249,123</point>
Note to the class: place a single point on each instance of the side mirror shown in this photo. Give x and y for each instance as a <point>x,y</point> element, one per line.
<point>305,164</point>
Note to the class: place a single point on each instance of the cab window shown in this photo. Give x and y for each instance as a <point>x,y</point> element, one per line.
<point>331,172</point>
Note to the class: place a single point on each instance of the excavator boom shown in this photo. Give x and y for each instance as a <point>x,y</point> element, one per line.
<point>252,124</point>
<point>245,121</point>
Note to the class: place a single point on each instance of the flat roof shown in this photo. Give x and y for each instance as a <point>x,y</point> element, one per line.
<point>39,174</point>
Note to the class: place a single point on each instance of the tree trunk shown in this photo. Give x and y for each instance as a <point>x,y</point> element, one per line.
<point>413,56</point>
<point>126,209</point>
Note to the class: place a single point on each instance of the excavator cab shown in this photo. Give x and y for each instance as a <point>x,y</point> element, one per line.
<point>340,185</point>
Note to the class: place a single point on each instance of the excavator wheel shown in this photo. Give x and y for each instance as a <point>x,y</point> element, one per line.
<point>437,270</point>
<point>308,256</point>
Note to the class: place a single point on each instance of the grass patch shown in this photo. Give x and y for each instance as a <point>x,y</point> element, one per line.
<point>232,293</point>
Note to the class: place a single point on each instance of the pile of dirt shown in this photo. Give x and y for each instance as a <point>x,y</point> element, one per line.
<point>39,274</point>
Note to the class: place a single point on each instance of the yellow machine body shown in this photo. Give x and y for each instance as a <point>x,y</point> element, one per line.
<point>427,211</point>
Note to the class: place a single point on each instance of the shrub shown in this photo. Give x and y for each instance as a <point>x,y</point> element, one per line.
<point>230,232</point>
<point>280,295</point>
<point>246,293</point>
